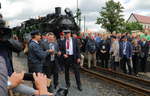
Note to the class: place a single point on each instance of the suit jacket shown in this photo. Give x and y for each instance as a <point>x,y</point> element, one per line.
<point>91,46</point>
<point>128,49</point>
<point>144,48</point>
<point>45,46</point>
<point>76,50</point>
<point>35,57</point>
<point>104,46</point>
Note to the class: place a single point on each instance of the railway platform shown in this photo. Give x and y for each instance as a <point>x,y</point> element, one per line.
<point>91,85</point>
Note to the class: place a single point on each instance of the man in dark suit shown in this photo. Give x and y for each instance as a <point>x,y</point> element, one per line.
<point>71,54</point>
<point>144,54</point>
<point>126,54</point>
<point>104,48</point>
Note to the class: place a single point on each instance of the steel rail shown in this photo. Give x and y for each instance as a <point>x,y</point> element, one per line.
<point>134,88</point>
<point>126,76</point>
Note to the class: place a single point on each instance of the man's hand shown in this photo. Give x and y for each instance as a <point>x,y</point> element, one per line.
<point>51,51</point>
<point>78,60</point>
<point>104,51</point>
<point>59,53</point>
<point>65,55</point>
<point>41,84</point>
<point>101,51</point>
<point>16,79</point>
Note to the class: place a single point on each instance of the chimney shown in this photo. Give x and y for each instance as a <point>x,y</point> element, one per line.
<point>58,10</point>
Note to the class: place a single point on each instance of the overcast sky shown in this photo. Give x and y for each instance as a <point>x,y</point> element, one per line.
<point>17,11</point>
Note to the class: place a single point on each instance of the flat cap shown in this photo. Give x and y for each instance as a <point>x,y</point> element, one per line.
<point>124,37</point>
<point>35,32</point>
<point>67,31</point>
<point>114,37</point>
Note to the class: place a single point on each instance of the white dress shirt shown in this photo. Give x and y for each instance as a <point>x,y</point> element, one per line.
<point>70,50</point>
<point>35,41</point>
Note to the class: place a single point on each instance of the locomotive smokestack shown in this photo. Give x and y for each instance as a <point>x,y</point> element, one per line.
<point>58,10</point>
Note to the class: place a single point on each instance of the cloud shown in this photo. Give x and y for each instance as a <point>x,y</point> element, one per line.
<point>25,9</point>
<point>16,11</point>
<point>90,9</point>
<point>91,5</point>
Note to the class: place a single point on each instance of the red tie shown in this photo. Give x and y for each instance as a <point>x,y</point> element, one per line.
<point>67,44</point>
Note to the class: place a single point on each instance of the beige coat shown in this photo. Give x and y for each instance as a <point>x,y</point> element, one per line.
<point>115,50</point>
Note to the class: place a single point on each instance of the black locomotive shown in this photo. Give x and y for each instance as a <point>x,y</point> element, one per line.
<point>55,22</point>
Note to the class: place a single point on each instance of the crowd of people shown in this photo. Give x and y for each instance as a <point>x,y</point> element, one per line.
<point>122,51</point>
<point>46,54</point>
<point>125,53</point>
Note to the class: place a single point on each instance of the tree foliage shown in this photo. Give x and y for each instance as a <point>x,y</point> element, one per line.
<point>110,17</point>
<point>133,26</point>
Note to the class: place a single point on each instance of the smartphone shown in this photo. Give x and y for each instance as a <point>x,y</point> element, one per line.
<point>28,77</point>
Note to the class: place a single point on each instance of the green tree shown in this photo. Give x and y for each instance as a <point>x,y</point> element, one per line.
<point>133,26</point>
<point>110,17</point>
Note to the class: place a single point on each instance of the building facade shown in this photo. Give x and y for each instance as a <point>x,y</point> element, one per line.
<point>143,20</point>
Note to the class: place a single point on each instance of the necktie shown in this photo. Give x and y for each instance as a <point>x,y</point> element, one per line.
<point>67,46</point>
<point>124,51</point>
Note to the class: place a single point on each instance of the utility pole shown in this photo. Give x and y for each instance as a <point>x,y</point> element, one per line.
<point>77,11</point>
<point>84,23</point>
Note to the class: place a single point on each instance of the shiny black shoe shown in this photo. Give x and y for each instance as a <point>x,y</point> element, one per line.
<point>68,85</point>
<point>55,87</point>
<point>79,88</point>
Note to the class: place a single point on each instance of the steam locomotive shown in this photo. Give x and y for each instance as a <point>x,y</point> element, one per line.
<point>55,22</point>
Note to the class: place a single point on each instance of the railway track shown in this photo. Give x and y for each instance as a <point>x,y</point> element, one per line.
<point>139,86</point>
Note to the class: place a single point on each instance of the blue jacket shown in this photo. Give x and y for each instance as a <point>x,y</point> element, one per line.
<point>35,57</point>
<point>128,49</point>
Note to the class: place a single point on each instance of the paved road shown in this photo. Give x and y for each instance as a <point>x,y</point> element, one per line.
<point>91,86</point>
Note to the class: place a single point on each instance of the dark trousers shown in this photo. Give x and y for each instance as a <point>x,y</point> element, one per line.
<point>52,69</point>
<point>32,68</point>
<point>104,63</point>
<point>125,61</point>
<point>115,65</point>
<point>143,63</point>
<point>61,63</point>
<point>70,62</point>
<point>104,60</point>
<point>135,61</point>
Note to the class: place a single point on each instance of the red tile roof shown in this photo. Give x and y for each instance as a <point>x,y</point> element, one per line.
<point>142,19</point>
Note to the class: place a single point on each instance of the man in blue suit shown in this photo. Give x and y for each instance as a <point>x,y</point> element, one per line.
<point>35,53</point>
<point>125,54</point>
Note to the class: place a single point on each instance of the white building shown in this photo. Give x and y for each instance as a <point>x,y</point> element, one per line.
<point>143,20</point>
